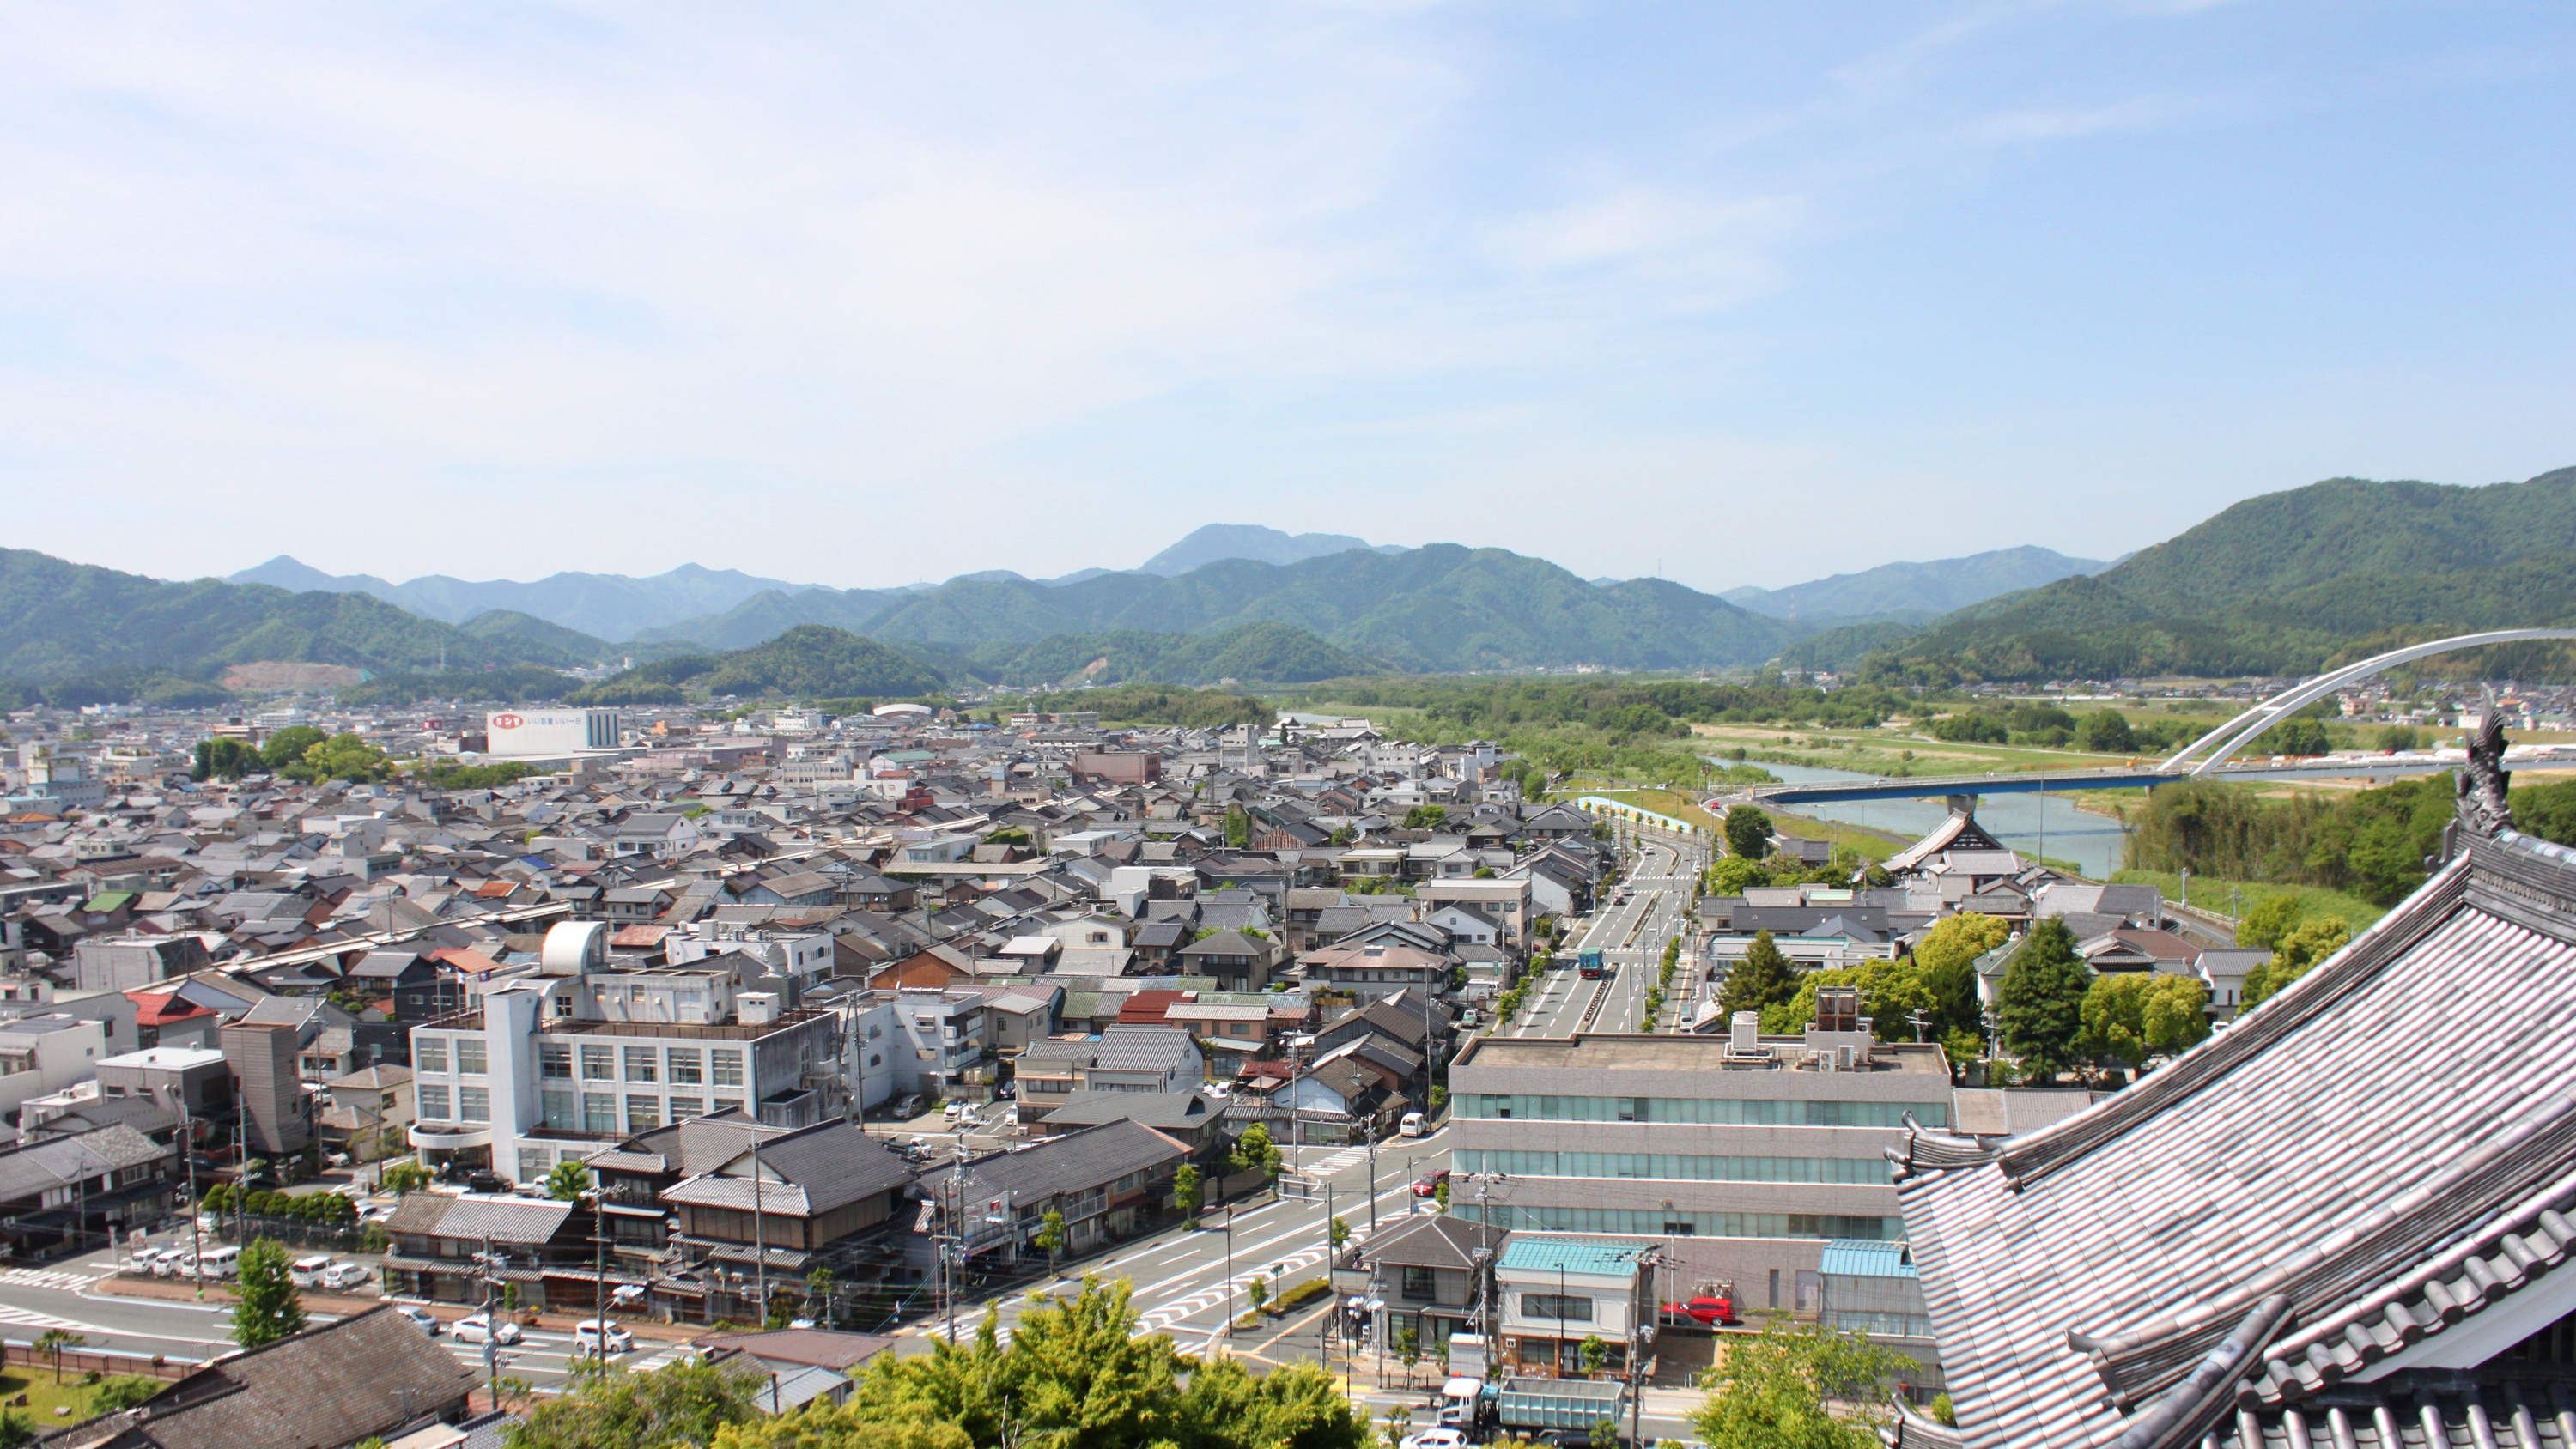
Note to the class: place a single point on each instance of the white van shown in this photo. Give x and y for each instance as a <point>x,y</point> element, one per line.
<point>172,1262</point>
<point>1412,1125</point>
<point>224,1262</point>
<point>305,1271</point>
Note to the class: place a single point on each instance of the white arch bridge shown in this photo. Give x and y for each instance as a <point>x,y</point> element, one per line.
<point>2206,758</point>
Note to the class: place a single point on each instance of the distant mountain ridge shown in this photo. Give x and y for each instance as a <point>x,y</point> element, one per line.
<point>1217,542</point>
<point>606,606</point>
<point>62,622</point>
<point>1916,592</point>
<point>1439,607</point>
<point>2280,584</point>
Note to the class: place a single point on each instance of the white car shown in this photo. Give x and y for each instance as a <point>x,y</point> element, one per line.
<point>476,1327</point>
<point>1435,1439</point>
<point>428,1321</point>
<point>586,1335</point>
<point>341,1277</point>
<point>375,1212</point>
<point>172,1262</point>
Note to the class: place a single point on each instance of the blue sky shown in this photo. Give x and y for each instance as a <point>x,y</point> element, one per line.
<point>861,294</point>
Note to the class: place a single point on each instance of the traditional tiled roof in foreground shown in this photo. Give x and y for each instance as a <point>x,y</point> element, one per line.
<point>2345,1221</point>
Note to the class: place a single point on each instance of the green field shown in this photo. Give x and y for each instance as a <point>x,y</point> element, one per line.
<point>2233,897</point>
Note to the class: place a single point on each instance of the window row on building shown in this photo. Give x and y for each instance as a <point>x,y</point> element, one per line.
<point>1703,1111</point>
<point>1670,1223</point>
<point>596,1062</point>
<point>1678,1166</point>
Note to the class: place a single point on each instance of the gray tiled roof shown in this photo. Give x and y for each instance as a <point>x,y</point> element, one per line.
<point>805,1173</point>
<point>1074,1162</point>
<point>359,1377</point>
<point>2385,1144</point>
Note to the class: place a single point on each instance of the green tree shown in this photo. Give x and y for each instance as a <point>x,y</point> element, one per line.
<point>1735,874</point>
<point>1408,1342</point>
<point>1256,1292</point>
<point>2298,953</point>
<point>1591,1353</point>
<point>1050,1238</point>
<point>568,1181</point>
<point>1773,1391</point>
<point>226,759</point>
<point>1255,1152</point>
<point>1763,978</point>
<point>404,1178</point>
<point>1605,1433</point>
<point>1948,955</point>
<point>124,1391</point>
<point>287,746</point>
<point>1186,1189</point>
<point>2176,1018</point>
<point>2106,732</point>
<point>822,1424</point>
<point>1078,1375</point>
<point>1007,835</point>
<point>2115,1017</point>
<point>683,1404</point>
<point>52,1343</point>
<point>1891,993</point>
<point>2398,737</point>
<point>1238,827</point>
<point>2041,1004</point>
<point>16,1429</point>
<point>1338,1234</point>
<point>341,757</point>
<point>2267,921</point>
<point>266,1305</point>
<point>819,1298</point>
<point>1426,817</point>
<point>1748,832</point>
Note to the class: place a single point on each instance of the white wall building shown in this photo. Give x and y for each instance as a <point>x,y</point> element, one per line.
<point>548,732</point>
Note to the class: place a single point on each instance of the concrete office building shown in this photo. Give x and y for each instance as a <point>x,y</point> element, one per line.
<point>546,733</point>
<point>1768,1145</point>
<point>558,1064</point>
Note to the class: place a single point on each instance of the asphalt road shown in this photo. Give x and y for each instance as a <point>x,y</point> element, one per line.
<point>67,1296</point>
<point>1632,938</point>
<point>1181,1278</point>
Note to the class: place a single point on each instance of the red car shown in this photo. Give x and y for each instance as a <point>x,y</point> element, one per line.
<point>1430,1185</point>
<point>1704,1311</point>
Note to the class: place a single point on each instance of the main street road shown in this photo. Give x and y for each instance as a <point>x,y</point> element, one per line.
<point>67,1297</point>
<point>1631,938</point>
<point>1181,1277</point>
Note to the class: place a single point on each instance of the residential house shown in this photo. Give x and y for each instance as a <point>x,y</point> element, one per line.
<point>1108,1182</point>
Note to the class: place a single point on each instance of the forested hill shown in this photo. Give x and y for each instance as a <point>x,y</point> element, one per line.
<point>1440,607</point>
<point>2283,584</point>
<point>102,631</point>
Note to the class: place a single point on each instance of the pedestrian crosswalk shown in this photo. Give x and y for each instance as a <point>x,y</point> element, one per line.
<point>1327,1166</point>
<point>57,1279</point>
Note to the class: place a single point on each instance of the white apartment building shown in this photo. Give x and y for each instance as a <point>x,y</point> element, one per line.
<point>556,1064</point>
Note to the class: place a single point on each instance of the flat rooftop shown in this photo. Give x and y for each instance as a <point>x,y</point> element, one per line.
<point>1599,1051</point>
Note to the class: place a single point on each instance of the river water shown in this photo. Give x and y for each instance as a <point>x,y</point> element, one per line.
<point>2091,841</point>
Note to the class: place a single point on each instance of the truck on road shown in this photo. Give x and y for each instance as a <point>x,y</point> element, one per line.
<point>1592,966</point>
<point>1533,1406</point>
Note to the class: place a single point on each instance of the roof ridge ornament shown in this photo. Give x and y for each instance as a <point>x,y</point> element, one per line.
<point>2483,809</point>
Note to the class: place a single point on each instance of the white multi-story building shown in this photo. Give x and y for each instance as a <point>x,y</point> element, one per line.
<point>546,732</point>
<point>557,1064</point>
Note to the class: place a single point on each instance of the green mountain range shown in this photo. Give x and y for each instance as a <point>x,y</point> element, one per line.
<point>1265,652</point>
<point>1439,607</point>
<point>2281,584</point>
<point>83,628</point>
<point>810,661</point>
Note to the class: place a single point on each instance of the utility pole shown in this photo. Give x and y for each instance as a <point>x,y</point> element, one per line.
<point>492,1323</point>
<point>196,1213</point>
<point>759,1232</point>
